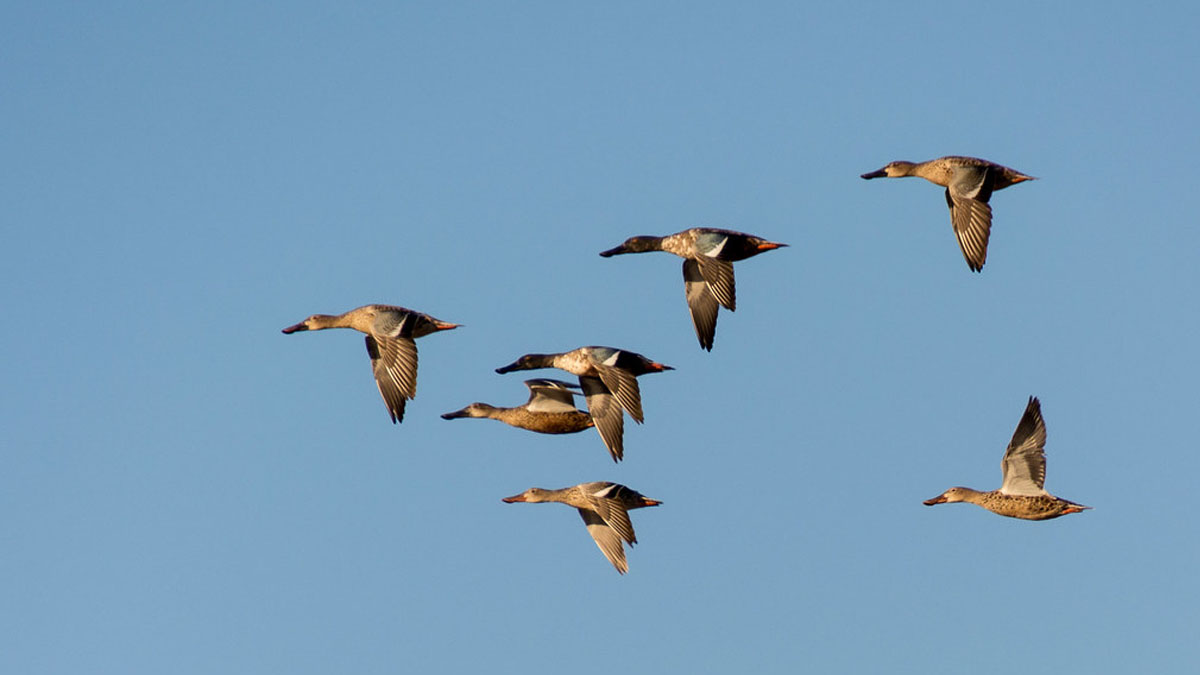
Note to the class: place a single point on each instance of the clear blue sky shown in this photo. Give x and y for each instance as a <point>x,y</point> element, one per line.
<point>185,490</point>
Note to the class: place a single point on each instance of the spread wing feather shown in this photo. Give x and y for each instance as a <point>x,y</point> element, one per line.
<point>1024,464</point>
<point>701,303</point>
<point>606,414</point>
<point>394,365</point>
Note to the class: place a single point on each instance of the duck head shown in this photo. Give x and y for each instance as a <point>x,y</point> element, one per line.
<point>954,494</point>
<point>314,322</point>
<point>532,496</point>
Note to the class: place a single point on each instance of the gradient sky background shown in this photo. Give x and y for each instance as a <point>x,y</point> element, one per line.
<point>186,490</point>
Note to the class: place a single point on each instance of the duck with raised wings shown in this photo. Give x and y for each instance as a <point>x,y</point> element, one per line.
<point>1021,495</point>
<point>391,333</point>
<point>969,183</point>
<point>549,410</point>
<point>604,508</point>
<point>708,255</point>
<point>608,377</point>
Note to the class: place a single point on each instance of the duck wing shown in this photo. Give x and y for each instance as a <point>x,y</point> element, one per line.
<point>701,303</point>
<point>719,276</point>
<point>606,414</point>
<point>606,538</point>
<point>1024,464</point>
<point>606,499</point>
<point>394,365</point>
<point>550,396</point>
<point>967,196</point>
<point>624,386</point>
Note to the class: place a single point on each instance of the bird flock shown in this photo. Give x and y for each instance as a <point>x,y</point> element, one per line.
<point>608,376</point>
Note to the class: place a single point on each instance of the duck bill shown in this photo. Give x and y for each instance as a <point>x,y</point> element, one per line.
<point>613,251</point>
<point>770,246</point>
<point>442,325</point>
<point>293,329</point>
<point>509,368</point>
<point>455,415</point>
<point>646,501</point>
<point>940,499</point>
<point>882,173</point>
<point>513,499</point>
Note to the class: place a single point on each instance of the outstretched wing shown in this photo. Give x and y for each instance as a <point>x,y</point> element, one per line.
<point>624,386</point>
<point>606,501</point>
<point>606,538</point>
<point>719,275</point>
<point>1024,464</point>
<point>968,195</point>
<point>394,364</point>
<point>606,414</point>
<point>701,303</point>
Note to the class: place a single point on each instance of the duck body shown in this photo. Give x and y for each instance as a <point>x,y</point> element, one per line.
<point>1021,494</point>
<point>1026,507</point>
<point>709,242</point>
<point>969,183</point>
<point>608,377</point>
<point>604,507</point>
<point>549,410</point>
<point>708,255</point>
<point>588,361</point>
<point>391,332</point>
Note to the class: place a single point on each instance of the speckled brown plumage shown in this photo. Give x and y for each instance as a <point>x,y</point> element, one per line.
<point>604,508</point>
<point>549,410</point>
<point>608,377</point>
<point>708,255</point>
<point>969,183</point>
<point>1021,494</point>
<point>391,344</point>
<point>1026,507</point>
<point>543,423</point>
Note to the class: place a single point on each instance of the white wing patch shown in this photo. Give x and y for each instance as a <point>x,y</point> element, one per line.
<point>604,491</point>
<point>715,251</point>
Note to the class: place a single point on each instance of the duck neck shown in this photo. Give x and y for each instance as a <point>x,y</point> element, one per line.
<point>323,321</point>
<point>643,244</point>
<point>483,410</point>
<point>539,495</point>
<point>534,361</point>
<point>973,496</point>
<point>506,415</point>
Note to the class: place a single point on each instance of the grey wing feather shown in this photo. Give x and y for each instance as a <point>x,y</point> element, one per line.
<point>971,182</point>
<point>624,386</point>
<point>549,396</point>
<point>614,514</point>
<point>606,414</point>
<point>394,365</point>
<point>606,538</point>
<point>719,275</point>
<point>392,325</point>
<point>701,303</point>
<point>1024,464</point>
<point>967,196</point>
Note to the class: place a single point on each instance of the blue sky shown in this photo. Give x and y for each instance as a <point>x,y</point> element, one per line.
<point>186,490</point>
